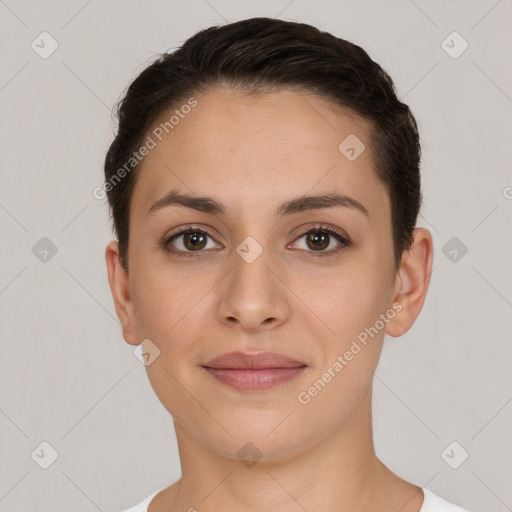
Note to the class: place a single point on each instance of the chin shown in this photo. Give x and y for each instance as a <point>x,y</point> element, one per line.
<point>270,436</point>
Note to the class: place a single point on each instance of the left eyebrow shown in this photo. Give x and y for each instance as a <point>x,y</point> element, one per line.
<point>305,203</point>
<point>297,205</point>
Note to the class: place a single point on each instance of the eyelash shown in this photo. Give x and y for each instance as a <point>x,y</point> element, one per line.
<point>322,228</point>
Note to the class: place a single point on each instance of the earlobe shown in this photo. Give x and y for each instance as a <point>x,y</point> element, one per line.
<point>412,282</point>
<point>119,286</point>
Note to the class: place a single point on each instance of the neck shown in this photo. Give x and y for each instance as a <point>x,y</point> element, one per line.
<point>341,472</point>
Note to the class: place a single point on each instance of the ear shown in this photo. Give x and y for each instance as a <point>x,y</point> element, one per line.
<point>119,286</point>
<point>411,284</point>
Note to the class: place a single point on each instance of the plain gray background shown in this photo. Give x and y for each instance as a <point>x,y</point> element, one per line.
<point>69,379</point>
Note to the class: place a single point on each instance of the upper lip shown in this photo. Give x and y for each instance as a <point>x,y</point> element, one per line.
<point>245,361</point>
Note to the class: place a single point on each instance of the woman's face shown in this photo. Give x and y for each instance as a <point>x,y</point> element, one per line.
<point>258,282</point>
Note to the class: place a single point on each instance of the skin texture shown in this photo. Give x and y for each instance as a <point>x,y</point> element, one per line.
<point>252,153</point>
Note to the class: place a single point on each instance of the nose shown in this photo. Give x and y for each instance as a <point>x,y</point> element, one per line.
<point>253,298</point>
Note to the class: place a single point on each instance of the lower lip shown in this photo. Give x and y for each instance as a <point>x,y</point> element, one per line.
<point>254,380</point>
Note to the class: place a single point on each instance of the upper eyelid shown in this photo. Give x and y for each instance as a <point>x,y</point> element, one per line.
<point>187,229</point>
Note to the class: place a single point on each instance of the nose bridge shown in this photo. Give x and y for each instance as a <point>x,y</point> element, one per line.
<point>252,295</point>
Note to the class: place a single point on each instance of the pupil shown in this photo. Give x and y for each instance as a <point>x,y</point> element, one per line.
<point>318,237</point>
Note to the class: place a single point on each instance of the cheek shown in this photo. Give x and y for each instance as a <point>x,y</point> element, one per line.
<point>346,359</point>
<point>174,309</point>
<point>350,304</point>
<point>163,300</point>
<point>168,309</point>
<point>348,299</point>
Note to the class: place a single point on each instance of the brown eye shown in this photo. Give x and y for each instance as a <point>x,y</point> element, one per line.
<point>318,241</point>
<point>322,241</point>
<point>190,240</point>
<point>194,241</point>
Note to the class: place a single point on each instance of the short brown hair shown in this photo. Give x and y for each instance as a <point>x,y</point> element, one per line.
<point>261,54</point>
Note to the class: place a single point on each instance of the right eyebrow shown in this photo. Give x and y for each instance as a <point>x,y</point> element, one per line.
<point>200,203</point>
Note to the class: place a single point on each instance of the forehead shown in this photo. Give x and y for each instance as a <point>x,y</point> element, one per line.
<point>253,149</point>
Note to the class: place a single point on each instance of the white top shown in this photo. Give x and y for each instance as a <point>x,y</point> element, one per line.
<point>431,503</point>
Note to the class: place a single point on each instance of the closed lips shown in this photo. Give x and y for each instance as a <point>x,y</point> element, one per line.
<point>253,372</point>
